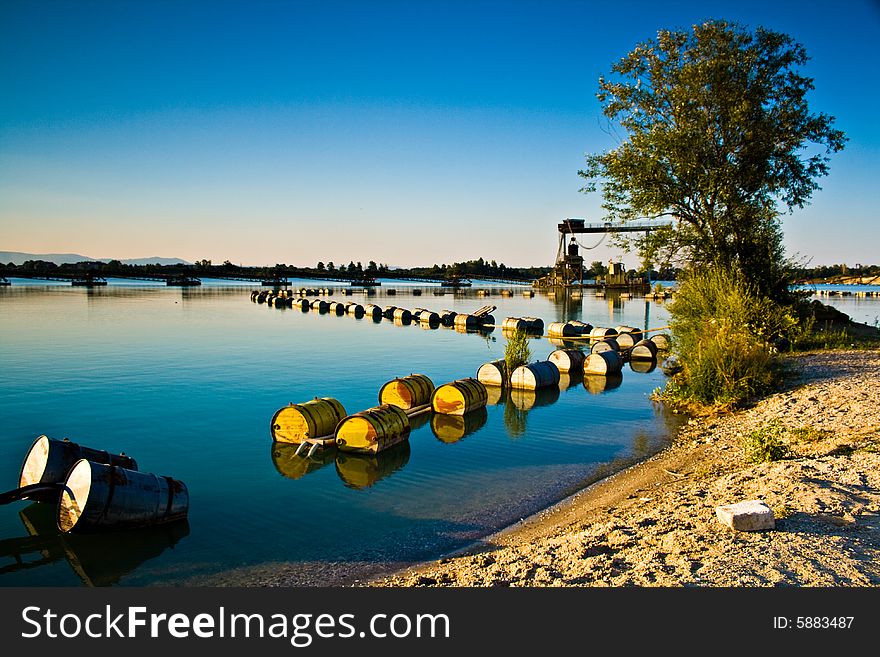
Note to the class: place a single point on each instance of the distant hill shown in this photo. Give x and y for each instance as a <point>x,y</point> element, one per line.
<point>18,258</point>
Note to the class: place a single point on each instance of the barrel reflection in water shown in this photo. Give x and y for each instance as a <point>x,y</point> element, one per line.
<point>569,380</point>
<point>295,466</point>
<point>361,471</point>
<point>452,428</point>
<point>520,402</point>
<point>596,384</point>
<point>97,559</point>
<point>643,366</point>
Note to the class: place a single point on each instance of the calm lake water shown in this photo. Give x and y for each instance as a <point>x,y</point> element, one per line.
<point>186,380</point>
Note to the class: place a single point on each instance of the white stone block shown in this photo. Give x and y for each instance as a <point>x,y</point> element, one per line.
<point>749,516</point>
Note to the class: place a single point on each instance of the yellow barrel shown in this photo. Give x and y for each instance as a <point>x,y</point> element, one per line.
<point>662,341</point>
<point>535,375</point>
<point>320,305</point>
<point>361,471</point>
<point>643,350</point>
<point>526,399</point>
<point>314,419</point>
<point>402,315</point>
<point>493,374</point>
<point>459,397</point>
<point>466,321</point>
<point>302,304</point>
<point>429,317</point>
<point>528,293</point>
<point>603,363</point>
<point>568,359</point>
<point>388,312</point>
<point>97,496</point>
<point>354,309</point>
<point>608,344</point>
<point>626,340</point>
<point>337,308</point>
<point>506,293</point>
<point>296,466</point>
<point>373,311</point>
<point>514,324</point>
<point>599,384</point>
<point>600,333</point>
<point>452,428</point>
<point>407,392</point>
<point>373,430</point>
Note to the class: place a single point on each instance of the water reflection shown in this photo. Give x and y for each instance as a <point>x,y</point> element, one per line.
<point>361,471</point>
<point>294,466</point>
<point>596,384</point>
<point>98,559</point>
<point>643,366</point>
<point>452,428</point>
<point>570,379</point>
<point>526,400</point>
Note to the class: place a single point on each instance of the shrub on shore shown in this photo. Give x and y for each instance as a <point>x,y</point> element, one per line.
<point>725,335</point>
<point>766,444</point>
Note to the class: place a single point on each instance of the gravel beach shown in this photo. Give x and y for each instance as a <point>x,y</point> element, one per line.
<point>654,524</point>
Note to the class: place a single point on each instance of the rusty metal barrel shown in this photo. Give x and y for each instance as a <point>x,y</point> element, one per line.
<point>407,392</point>
<point>662,341</point>
<point>535,375</point>
<point>373,430</point>
<point>601,333</point>
<point>603,363</point>
<point>314,419</point>
<point>459,397</point>
<point>452,428</point>
<point>608,344</point>
<point>514,324</point>
<point>562,330</point>
<point>643,350</point>
<point>99,496</point>
<point>402,315</point>
<point>568,359</point>
<point>493,373</point>
<point>48,461</point>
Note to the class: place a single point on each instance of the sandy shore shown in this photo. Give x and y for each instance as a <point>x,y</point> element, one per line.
<point>654,524</point>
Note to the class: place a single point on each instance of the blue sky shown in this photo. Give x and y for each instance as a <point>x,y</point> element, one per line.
<point>402,132</point>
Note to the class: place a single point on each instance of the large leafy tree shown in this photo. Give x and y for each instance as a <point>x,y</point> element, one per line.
<point>719,138</point>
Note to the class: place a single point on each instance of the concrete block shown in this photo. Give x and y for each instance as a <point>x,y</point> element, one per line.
<point>749,516</point>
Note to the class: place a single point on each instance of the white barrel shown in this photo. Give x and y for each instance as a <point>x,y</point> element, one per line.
<point>568,360</point>
<point>609,344</point>
<point>562,330</point>
<point>662,341</point>
<point>601,332</point>
<point>535,375</point>
<point>603,363</point>
<point>493,374</point>
<point>643,350</point>
<point>626,340</point>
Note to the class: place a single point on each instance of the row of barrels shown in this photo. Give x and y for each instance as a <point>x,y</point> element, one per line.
<point>848,293</point>
<point>94,489</point>
<point>324,421</point>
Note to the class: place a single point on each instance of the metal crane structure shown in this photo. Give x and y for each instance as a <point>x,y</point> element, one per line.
<point>569,265</point>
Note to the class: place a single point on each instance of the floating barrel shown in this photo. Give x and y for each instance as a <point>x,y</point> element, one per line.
<point>535,375</point>
<point>643,350</point>
<point>629,329</point>
<point>417,311</point>
<point>603,363</point>
<point>295,466</point>
<point>314,419</point>
<point>429,317</point>
<point>514,324</point>
<point>346,292</point>
<point>459,397</point>
<point>599,384</point>
<point>486,321</point>
<point>97,496</point>
<point>355,309</point>
<point>600,333</point>
<point>321,305</point>
<point>467,321</point>
<point>373,430</point>
<point>493,374</point>
<point>337,307</point>
<point>48,461</point>
<point>568,359</point>
<point>254,295</point>
<point>583,327</point>
<point>662,341</point>
<point>407,392</point>
<point>388,312</point>
<point>302,304</point>
<point>391,292</point>
<point>447,317</point>
<point>402,315</point>
<point>525,399</point>
<point>528,293</point>
<point>626,340</point>
<point>534,324</point>
<point>361,471</point>
<point>452,428</point>
<point>506,293</point>
<point>563,330</point>
<point>372,310</point>
<point>608,344</point>
<point>643,366</point>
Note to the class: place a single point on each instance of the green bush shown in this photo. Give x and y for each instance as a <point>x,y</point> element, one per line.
<point>765,444</point>
<point>517,351</point>
<point>725,337</point>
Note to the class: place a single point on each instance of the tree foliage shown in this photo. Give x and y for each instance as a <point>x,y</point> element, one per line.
<point>720,138</point>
